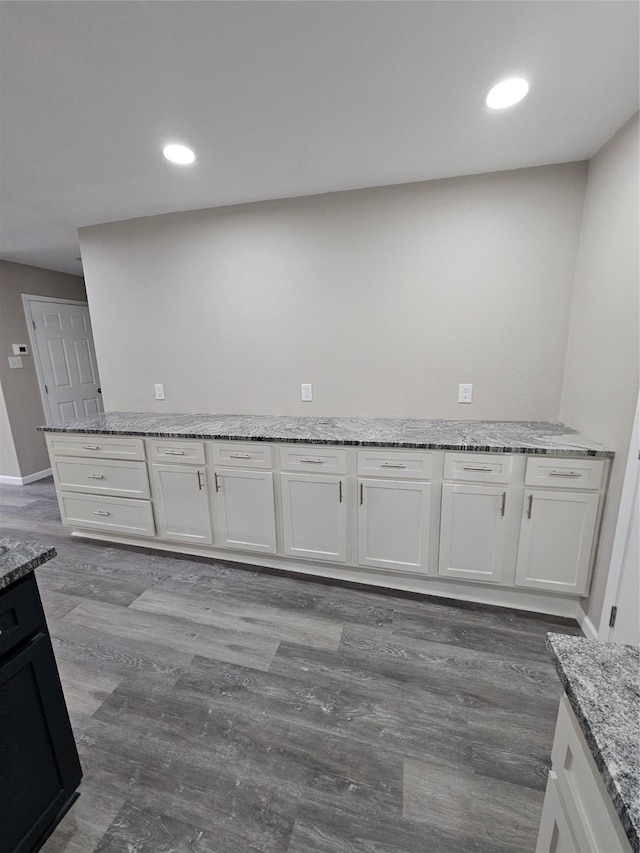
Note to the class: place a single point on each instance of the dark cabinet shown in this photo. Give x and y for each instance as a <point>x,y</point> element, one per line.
<point>39,766</point>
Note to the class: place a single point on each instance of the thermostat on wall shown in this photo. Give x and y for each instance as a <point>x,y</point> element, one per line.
<point>20,349</point>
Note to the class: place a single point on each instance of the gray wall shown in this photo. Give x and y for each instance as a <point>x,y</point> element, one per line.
<point>601,376</point>
<point>384,299</point>
<point>20,387</point>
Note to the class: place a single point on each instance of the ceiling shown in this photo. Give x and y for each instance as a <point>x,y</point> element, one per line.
<point>286,98</point>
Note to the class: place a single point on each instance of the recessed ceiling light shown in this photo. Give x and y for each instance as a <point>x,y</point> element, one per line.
<point>179,154</point>
<point>507,93</point>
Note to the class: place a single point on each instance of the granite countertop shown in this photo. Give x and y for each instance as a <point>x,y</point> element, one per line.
<point>482,436</point>
<point>602,683</point>
<point>17,559</point>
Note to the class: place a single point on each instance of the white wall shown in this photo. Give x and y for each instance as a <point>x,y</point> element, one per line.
<point>384,299</point>
<point>601,376</point>
<point>8,458</point>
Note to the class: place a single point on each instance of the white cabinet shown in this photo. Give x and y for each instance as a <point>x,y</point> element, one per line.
<point>244,509</point>
<point>181,502</point>
<point>473,532</point>
<point>314,517</point>
<point>393,524</point>
<point>556,538</point>
<point>555,835</point>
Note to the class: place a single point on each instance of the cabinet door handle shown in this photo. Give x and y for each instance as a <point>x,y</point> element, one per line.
<point>503,504</point>
<point>361,493</point>
<point>101,512</point>
<point>315,461</point>
<point>530,507</point>
<point>240,455</point>
<point>339,491</point>
<point>174,452</point>
<point>91,447</point>
<point>217,481</point>
<point>95,476</point>
<point>565,474</point>
<point>476,468</point>
<point>200,481</point>
<point>392,465</point>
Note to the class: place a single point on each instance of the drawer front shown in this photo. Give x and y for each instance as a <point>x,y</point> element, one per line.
<point>240,455</point>
<point>478,467</point>
<point>167,450</point>
<point>110,515</point>
<point>20,613</point>
<point>105,446</point>
<point>410,465</point>
<point>101,477</point>
<point>323,460</point>
<point>563,473</point>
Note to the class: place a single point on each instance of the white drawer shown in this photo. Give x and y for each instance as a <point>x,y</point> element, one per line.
<point>171,450</point>
<point>478,467</point>
<point>102,477</point>
<point>587,801</point>
<point>563,473</point>
<point>237,454</point>
<point>324,460</point>
<point>111,515</point>
<point>105,446</point>
<point>403,464</point>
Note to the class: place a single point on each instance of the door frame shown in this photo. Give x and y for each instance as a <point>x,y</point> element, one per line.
<point>26,303</point>
<point>623,530</point>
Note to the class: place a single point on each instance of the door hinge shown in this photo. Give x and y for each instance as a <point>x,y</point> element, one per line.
<point>46,390</point>
<point>612,617</point>
<point>33,323</point>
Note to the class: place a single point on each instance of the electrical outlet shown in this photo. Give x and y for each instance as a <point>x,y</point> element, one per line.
<point>159,392</point>
<point>306,393</point>
<point>465,392</point>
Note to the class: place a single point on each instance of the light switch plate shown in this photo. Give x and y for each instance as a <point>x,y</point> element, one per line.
<point>159,392</point>
<point>306,393</point>
<point>15,361</point>
<point>465,392</point>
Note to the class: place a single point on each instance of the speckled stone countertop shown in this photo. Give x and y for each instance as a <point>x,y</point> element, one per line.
<point>481,436</point>
<point>17,559</point>
<point>602,683</point>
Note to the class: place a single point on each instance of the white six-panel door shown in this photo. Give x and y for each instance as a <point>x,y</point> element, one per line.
<point>66,356</point>
<point>314,517</point>
<point>181,502</point>
<point>473,532</point>
<point>245,510</point>
<point>556,538</point>
<point>393,524</point>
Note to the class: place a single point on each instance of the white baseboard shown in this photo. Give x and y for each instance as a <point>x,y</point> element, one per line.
<point>588,628</point>
<point>23,481</point>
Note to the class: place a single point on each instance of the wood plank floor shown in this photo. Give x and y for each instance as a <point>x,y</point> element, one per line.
<point>222,709</point>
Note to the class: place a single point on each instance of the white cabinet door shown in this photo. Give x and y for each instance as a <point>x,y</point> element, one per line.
<point>473,531</point>
<point>393,524</point>
<point>181,503</point>
<point>555,835</point>
<point>556,538</point>
<point>245,514</point>
<point>314,517</point>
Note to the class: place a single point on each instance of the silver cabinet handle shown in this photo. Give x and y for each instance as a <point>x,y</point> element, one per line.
<point>530,507</point>
<point>476,468</point>
<point>565,474</point>
<point>503,504</point>
<point>101,512</point>
<point>339,491</point>
<point>361,493</point>
<point>392,465</point>
<point>91,447</point>
<point>174,452</point>
<point>200,481</point>
<point>95,476</point>
<point>216,480</point>
<point>315,461</point>
<point>240,455</point>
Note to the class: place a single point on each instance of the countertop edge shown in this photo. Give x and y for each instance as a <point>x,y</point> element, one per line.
<point>30,565</point>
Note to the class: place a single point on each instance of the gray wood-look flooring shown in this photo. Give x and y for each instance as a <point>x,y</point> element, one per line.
<point>223,709</point>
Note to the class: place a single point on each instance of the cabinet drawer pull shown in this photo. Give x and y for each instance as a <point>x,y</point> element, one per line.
<point>91,447</point>
<point>340,491</point>
<point>530,507</point>
<point>200,481</point>
<point>503,504</point>
<point>101,512</point>
<point>95,476</point>
<point>240,455</point>
<point>361,493</point>
<point>216,480</point>
<point>315,461</point>
<point>174,452</point>
<point>565,474</point>
<point>476,468</point>
<point>392,465</point>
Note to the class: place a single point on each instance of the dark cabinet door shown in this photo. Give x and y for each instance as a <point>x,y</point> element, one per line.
<point>39,766</point>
